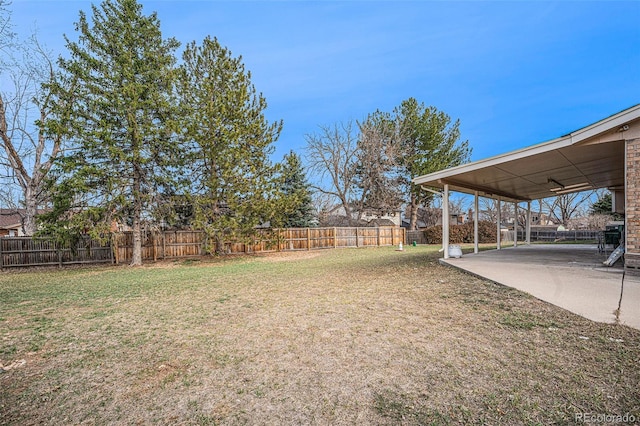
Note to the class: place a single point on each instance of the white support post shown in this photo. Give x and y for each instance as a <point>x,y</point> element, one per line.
<point>515,224</point>
<point>528,239</point>
<point>475,223</point>
<point>498,235</point>
<point>445,221</point>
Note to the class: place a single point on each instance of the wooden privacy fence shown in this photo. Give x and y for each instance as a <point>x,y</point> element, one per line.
<point>549,236</point>
<point>418,236</point>
<point>576,235</point>
<point>177,244</point>
<point>26,251</point>
<point>158,245</point>
<point>321,238</point>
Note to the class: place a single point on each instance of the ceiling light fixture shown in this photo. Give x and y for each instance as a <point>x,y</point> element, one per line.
<point>574,188</point>
<point>552,180</point>
<point>577,185</point>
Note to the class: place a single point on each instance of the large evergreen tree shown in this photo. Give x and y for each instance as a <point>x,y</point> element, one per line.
<point>603,205</point>
<point>296,207</point>
<point>374,171</point>
<point>120,75</point>
<point>233,183</point>
<point>429,142</point>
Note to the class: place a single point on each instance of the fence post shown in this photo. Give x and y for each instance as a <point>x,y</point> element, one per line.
<point>59,256</point>
<point>114,247</point>
<point>1,256</point>
<point>335,237</point>
<point>308,239</point>
<point>378,228</point>
<point>155,246</point>
<point>357,242</point>
<point>285,236</point>
<point>283,239</point>
<point>111,247</point>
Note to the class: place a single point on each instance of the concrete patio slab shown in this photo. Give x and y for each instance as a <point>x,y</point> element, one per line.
<point>569,276</point>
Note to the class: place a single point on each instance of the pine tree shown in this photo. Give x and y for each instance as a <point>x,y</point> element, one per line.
<point>429,142</point>
<point>602,205</point>
<point>233,180</point>
<point>120,75</point>
<point>297,206</point>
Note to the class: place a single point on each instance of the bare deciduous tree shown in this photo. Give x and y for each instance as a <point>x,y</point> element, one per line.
<point>322,204</point>
<point>489,210</point>
<point>27,149</point>
<point>333,155</point>
<point>378,174</point>
<point>431,215</point>
<point>565,207</point>
<point>591,222</point>
<point>7,36</point>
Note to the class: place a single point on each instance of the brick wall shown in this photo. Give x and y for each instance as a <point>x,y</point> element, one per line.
<point>632,208</point>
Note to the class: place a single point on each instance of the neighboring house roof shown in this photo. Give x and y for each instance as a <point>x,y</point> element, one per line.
<point>10,218</point>
<point>338,210</point>
<point>336,220</point>
<point>381,222</point>
<point>343,221</point>
<point>407,221</point>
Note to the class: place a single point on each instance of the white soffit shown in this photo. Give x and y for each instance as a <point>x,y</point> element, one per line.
<point>592,157</point>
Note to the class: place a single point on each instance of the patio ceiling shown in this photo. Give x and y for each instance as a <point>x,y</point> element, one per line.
<point>589,158</point>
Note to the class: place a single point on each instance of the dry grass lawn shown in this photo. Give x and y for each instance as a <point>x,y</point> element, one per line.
<point>368,336</point>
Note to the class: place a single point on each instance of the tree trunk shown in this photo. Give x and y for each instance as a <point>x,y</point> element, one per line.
<point>219,244</point>
<point>136,259</point>
<point>347,210</point>
<point>413,224</point>
<point>31,210</point>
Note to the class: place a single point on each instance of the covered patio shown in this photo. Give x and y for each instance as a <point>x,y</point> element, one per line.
<point>605,154</point>
<point>570,276</point>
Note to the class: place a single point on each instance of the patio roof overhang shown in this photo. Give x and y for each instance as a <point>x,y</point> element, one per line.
<point>590,158</point>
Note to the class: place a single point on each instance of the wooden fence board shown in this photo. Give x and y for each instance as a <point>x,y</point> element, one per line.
<point>25,251</point>
<point>536,236</point>
<point>551,236</point>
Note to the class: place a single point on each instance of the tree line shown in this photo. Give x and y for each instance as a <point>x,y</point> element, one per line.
<point>369,166</point>
<point>122,129</point>
<point>129,132</point>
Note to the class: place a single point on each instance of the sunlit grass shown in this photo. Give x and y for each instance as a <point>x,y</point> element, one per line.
<point>334,337</point>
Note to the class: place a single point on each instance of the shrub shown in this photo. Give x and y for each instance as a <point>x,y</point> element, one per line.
<point>459,234</point>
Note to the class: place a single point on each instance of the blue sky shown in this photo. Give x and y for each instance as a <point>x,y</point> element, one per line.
<point>514,73</point>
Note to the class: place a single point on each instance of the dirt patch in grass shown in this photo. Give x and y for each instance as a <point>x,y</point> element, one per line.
<point>371,336</point>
